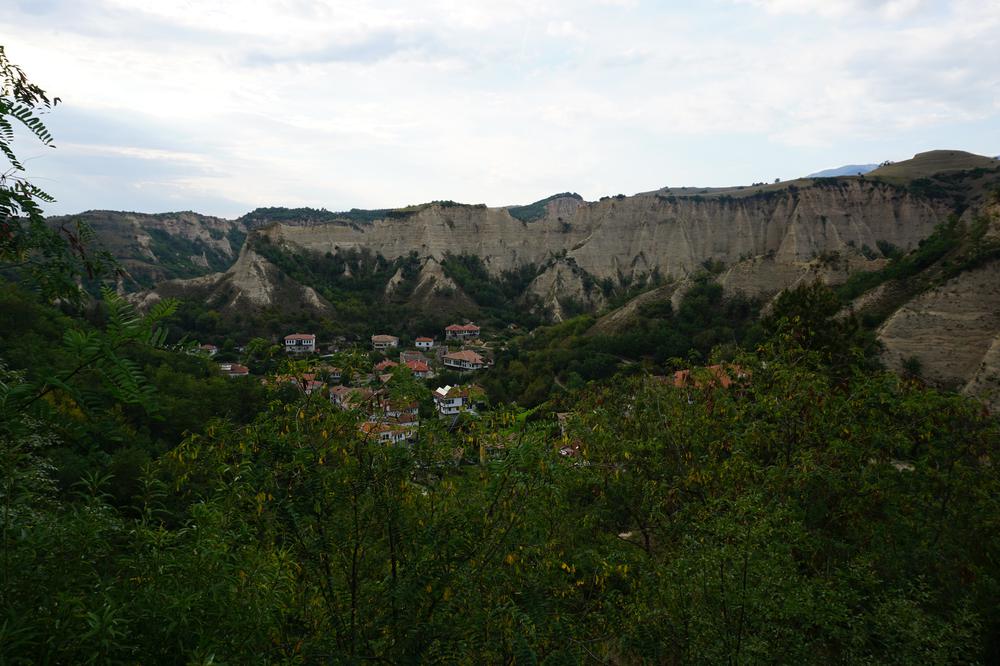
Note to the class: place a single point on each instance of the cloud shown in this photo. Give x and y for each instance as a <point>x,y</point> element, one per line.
<point>887,9</point>
<point>380,103</point>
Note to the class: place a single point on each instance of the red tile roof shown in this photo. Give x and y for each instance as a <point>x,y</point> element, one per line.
<point>465,355</point>
<point>717,375</point>
<point>385,364</point>
<point>425,339</point>
<point>418,366</point>
<point>300,336</point>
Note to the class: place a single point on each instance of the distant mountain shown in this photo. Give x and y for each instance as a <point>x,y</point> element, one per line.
<point>846,170</point>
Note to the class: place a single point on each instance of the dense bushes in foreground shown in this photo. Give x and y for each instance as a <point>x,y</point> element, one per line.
<point>792,517</point>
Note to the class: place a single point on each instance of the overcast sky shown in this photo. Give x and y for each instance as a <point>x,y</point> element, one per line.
<point>221,106</point>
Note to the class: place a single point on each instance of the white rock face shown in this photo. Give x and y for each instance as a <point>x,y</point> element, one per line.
<point>559,284</point>
<point>632,236</point>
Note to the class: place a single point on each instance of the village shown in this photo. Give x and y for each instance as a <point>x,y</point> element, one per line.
<point>366,385</point>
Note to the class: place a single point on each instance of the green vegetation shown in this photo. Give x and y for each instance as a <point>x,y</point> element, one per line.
<point>536,211</point>
<point>174,253</point>
<point>556,361</point>
<point>816,510</point>
<point>498,299</point>
<point>952,249</point>
<point>263,216</point>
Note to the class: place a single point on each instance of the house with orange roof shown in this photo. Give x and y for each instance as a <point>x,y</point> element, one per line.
<point>234,369</point>
<point>464,360</point>
<point>386,433</point>
<point>461,331</point>
<point>424,343</point>
<point>349,397</point>
<point>387,364</point>
<point>384,342</point>
<point>711,376</point>
<point>420,369</point>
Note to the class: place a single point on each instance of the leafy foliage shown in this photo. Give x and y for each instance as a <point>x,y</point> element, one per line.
<point>47,259</point>
<point>536,211</point>
<point>557,360</point>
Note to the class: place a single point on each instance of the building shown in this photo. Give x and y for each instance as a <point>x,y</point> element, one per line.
<point>452,400</point>
<point>461,332</point>
<point>420,369</point>
<point>407,355</point>
<point>398,412</point>
<point>714,375</point>
<point>211,350</point>
<point>384,342</point>
<point>387,364</point>
<point>386,433</point>
<point>300,343</point>
<point>464,360</point>
<point>234,369</point>
<point>348,397</point>
<point>424,343</point>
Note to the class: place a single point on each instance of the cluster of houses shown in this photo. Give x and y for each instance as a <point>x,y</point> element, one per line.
<point>387,420</point>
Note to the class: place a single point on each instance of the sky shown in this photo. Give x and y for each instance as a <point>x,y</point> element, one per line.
<point>221,106</point>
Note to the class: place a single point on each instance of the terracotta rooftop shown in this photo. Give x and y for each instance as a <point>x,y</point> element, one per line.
<point>716,375</point>
<point>466,355</point>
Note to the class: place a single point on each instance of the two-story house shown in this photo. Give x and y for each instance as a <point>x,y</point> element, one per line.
<point>384,342</point>
<point>461,332</point>
<point>300,343</point>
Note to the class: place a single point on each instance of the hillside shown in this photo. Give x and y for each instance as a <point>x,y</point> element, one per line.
<point>413,269</point>
<point>153,248</point>
<point>587,246</point>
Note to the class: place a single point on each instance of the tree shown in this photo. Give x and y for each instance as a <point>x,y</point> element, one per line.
<point>48,259</point>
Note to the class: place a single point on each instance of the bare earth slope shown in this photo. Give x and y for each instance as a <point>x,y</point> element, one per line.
<point>954,331</point>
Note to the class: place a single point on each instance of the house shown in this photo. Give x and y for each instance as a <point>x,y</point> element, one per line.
<point>385,365</point>
<point>386,433</point>
<point>424,343</point>
<point>452,400</point>
<point>300,343</point>
<point>234,369</point>
<point>420,369</point>
<point>383,342</point>
<point>311,386</point>
<point>211,350</point>
<point>464,360</point>
<point>347,397</point>
<point>398,412</point>
<point>306,382</point>
<point>461,332</point>
<point>408,355</point>
<point>714,375</point>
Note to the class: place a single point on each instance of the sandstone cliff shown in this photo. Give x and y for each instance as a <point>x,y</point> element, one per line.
<point>630,236</point>
<point>154,248</point>
<point>252,283</point>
